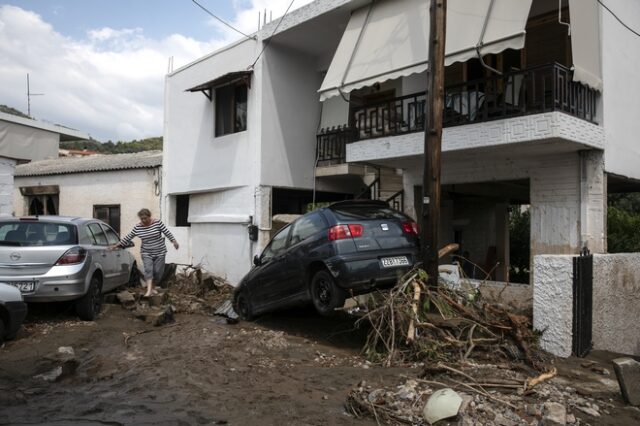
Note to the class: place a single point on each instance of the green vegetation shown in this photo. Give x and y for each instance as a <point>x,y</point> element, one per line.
<point>13,111</point>
<point>115,148</point>
<point>623,223</point>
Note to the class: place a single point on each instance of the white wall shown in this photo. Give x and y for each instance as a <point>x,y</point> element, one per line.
<point>621,88</point>
<point>27,143</point>
<point>616,302</point>
<point>553,302</point>
<point>7,168</point>
<point>290,117</point>
<point>194,159</point>
<point>79,192</point>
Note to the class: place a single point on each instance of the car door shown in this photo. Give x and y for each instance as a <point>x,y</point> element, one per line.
<point>307,235</point>
<point>122,265</point>
<point>269,286</point>
<point>103,255</point>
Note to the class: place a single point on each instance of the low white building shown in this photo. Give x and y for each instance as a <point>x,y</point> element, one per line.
<point>112,188</point>
<point>541,102</point>
<point>23,140</point>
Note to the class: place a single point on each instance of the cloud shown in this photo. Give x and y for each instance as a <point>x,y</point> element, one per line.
<point>110,83</point>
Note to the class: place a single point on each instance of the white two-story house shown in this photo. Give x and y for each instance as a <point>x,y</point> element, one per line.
<point>541,105</point>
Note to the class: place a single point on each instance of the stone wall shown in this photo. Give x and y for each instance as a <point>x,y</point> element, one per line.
<point>616,302</point>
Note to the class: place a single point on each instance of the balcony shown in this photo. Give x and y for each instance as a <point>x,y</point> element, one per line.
<point>535,90</point>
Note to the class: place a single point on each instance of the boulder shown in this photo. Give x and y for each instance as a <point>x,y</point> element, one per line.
<point>442,404</point>
<point>628,374</point>
<point>126,299</point>
<point>554,414</point>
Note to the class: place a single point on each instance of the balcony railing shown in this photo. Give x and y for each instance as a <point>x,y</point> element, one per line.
<point>331,143</point>
<point>531,91</point>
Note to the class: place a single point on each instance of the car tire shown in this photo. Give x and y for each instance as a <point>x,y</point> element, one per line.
<point>325,294</point>
<point>134,276</point>
<point>242,306</point>
<point>88,306</point>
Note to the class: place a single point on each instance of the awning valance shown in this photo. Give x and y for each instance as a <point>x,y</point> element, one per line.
<point>229,78</point>
<point>389,39</point>
<point>585,42</point>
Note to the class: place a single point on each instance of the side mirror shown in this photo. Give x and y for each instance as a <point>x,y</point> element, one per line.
<point>256,260</point>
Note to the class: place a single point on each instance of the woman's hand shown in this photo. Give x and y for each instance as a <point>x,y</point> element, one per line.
<point>176,245</point>
<point>114,247</point>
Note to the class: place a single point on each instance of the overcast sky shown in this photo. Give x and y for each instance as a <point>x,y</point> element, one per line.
<point>101,64</point>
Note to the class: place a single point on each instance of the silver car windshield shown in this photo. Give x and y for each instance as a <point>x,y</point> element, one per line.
<point>26,233</point>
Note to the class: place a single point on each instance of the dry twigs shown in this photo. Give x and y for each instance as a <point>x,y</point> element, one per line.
<point>414,322</point>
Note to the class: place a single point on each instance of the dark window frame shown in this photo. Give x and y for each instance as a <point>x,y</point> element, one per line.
<point>115,226</point>
<point>232,100</point>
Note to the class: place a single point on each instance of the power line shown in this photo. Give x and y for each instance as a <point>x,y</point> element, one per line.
<point>222,21</point>
<point>619,20</point>
<point>271,36</point>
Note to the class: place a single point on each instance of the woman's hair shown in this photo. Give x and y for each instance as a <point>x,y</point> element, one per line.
<point>144,212</point>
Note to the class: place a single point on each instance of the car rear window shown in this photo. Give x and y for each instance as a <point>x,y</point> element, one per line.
<point>362,212</point>
<point>23,233</point>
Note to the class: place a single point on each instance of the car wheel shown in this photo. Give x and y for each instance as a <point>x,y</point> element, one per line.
<point>242,306</point>
<point>134,276</point>
<point>325,294</point>
<point>88,307</point>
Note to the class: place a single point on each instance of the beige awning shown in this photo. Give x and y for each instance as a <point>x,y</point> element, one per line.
<point>585,42</point>
<point>388,39</point>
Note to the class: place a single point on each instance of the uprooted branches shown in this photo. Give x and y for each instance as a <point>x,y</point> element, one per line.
<point>414,322</point>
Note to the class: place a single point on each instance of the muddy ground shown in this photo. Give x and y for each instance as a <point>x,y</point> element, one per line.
<point>291,368</point>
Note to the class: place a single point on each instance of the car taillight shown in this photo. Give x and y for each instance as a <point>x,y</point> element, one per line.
<point>410,227</point>
<point>72,256</point>
<point>340,232</point>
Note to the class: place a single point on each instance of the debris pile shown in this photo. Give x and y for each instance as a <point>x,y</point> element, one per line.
<point>415,322</point>
<point>194,291</point>
<point>475,395</point>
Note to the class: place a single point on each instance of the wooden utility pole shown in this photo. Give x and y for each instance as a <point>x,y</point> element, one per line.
<point>433,140</point>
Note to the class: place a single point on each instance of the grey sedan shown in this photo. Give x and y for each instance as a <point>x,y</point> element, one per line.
<point>56,258</point>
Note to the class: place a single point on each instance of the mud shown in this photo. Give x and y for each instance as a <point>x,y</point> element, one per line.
<point>291,368</point>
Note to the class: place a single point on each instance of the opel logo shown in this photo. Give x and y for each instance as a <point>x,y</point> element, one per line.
<point>15,256</point>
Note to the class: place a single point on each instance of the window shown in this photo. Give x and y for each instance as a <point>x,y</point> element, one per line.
<point>109,215</point>
<point>307,226</point>
<point>182,210</point>
<point>112,237</point>
<point>277,245</point>
<point>37,234</point>
<point>231,109</point>
<point>97,234</point>
<point>41,200</point>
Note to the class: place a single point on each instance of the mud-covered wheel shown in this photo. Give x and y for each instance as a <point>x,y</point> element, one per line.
<point>242,306</point>
<point>134,276</point>
<point>325,294</point>
<point>88,306</point>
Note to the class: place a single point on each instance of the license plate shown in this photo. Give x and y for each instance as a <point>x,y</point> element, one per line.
<point>23,286</point>
<point>389,262</point>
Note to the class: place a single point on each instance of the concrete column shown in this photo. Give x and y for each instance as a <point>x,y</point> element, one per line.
<point>7,168</point>
<point>502,241</point>
<point>593,201</point>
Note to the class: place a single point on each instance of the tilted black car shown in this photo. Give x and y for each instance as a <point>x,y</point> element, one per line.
<point>348,248</point>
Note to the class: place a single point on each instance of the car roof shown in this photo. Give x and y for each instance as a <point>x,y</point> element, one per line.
<point>75,220</point>
<point>372,203</point>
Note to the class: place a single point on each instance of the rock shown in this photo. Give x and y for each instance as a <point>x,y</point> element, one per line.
<point>628,374</point>
<point>532,410</point>
<point>571,419</point>
<point>157,299</point>
<point>160,317</point>
<point>588,410</point>
<point>500,420</point>
<point>126,299</point>
<point>554,413</point>
<point>467,401</point>
<point>51,376</point>
<point>442,404</point>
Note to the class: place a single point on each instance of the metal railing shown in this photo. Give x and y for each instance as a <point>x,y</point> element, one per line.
<point>396,201</point>
<point>331,144</point>
<point>371,192</point>
<point>534,90</point>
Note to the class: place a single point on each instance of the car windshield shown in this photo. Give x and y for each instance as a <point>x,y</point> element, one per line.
<point>24,233</point>
<point>363,212</point>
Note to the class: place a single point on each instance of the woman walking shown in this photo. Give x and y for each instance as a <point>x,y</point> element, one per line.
<point>153,249</point>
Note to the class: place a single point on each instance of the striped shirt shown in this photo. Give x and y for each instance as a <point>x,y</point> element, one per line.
<point>151,236</point>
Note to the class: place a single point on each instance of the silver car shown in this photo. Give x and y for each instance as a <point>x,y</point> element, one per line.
<point>56,258</point>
